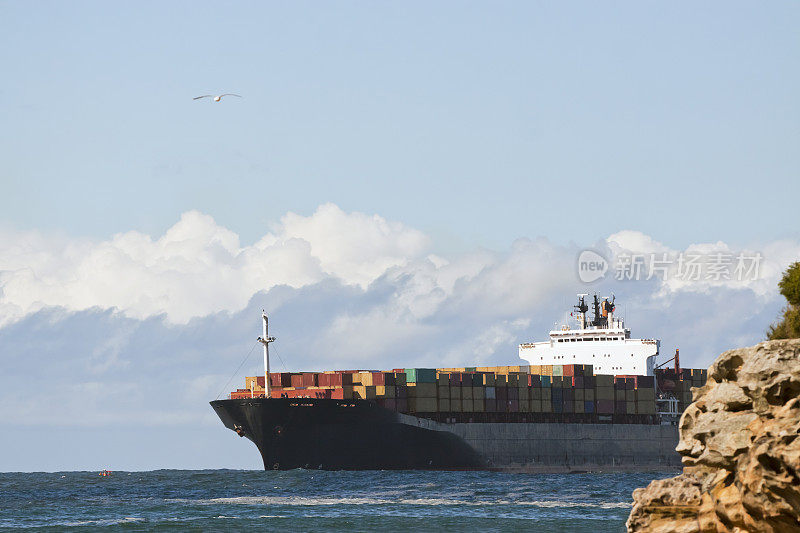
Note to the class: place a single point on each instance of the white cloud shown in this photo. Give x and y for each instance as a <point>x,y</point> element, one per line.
<point>702,267</point>
<point>197,267</point>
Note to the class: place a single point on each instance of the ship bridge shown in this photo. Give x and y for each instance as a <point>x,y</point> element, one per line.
<point>604,342</point>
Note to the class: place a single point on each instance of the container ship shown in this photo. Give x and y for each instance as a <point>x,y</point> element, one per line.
<point>591,398</point>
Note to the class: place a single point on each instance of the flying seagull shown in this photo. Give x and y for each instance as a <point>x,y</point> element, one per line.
<point>216,98</point>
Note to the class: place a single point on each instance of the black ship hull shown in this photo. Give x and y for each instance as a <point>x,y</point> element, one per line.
<point>360,435</point>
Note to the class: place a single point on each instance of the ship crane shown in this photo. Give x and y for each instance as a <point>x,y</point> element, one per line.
<point>265,339</point>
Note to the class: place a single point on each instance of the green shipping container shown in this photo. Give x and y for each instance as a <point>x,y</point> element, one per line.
<point>420,375</point>
<point>546,381</point>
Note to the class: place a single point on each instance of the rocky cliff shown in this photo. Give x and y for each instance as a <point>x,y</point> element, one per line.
<point>740,446</point>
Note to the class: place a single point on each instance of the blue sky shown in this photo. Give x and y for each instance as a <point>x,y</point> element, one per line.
<point>474,123</point>
<point>401,183</point>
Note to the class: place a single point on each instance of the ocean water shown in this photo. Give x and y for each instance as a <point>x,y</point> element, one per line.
<point>308,500</point>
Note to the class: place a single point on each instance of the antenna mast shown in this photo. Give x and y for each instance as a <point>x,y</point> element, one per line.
<point>265,340</point>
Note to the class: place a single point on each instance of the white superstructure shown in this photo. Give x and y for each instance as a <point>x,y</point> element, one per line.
<point>604,343</point>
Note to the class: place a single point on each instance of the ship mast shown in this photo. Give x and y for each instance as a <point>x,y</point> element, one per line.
<point>265,340</point>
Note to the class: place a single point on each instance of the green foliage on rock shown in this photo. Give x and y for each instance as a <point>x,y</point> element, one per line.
<point>790,284</point>
<point>789,326</point>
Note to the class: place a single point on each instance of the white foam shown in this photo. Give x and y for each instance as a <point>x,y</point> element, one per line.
<point>300,501</point>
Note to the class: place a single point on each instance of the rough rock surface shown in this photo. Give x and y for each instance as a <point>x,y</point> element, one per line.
<point>740,447</point>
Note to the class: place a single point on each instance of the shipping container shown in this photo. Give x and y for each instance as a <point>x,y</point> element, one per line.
<point>385,391</point>
<point>422,405</point>
<point>501,394</point>
<point>420,375</point>
<point>604,380</point>
<point>605,407</point>
<point>364,392</point>
<point>455,392</point>
<point>422,390</point>
<point>443,392</point>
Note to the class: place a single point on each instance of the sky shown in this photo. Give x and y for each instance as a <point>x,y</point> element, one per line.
<point>400,184</point>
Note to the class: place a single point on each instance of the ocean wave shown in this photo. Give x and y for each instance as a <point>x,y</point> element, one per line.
<point>301,501</point>
<point>100,522</point>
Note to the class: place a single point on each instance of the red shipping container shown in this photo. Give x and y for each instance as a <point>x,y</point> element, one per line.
<point>278,379</point>
<point>309,379</point>
<point>534,380</point>
<point>568,370</point>
<point>455,379</point>
<point>501,394</point>
<point>383,378</point>
<point>297,380</point>
<point>337,394</point>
